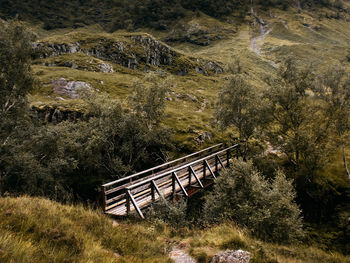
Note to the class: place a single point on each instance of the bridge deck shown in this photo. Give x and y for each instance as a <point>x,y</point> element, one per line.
<point>184,176</point>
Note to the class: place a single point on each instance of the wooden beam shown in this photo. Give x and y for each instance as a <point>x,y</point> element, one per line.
<point>196,176</point>
<point>180,184</point>
<point>221,163</point>
<point>209,168</point>
<point>138,210</point>
<point>189,176</point>
<point>157,190</point>
<point>228,156</point>
<point>152,193</point>
<point>127,202</point>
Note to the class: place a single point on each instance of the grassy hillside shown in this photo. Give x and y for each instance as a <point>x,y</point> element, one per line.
<point>317,38</point>
<point>39,230</point>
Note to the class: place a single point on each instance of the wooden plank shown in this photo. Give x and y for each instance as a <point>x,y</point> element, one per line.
<point>196,176</point>
<point>138,210</point>
<point>180,184</point>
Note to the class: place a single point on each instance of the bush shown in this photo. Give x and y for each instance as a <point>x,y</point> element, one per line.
<point>266,208</point>
<point>173,214</point>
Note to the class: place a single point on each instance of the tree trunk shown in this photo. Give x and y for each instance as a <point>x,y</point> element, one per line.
<point>345,164</point>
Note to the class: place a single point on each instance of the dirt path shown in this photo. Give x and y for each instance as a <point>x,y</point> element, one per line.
<point>179,255</point>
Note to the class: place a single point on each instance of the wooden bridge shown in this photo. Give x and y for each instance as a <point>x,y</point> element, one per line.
<point>184,176</point>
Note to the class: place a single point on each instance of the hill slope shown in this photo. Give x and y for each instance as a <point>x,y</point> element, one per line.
<point>35,229</point>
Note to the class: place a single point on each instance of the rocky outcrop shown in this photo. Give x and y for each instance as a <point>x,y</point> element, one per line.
<point>45,50</point>
<point>196,33</point>
<point>55,115</point>
<point>131,51</point>
<point>71,89</point>
<point>238,256</point>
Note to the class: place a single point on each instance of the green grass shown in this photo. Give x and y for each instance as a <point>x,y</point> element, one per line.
<point>39,230</point>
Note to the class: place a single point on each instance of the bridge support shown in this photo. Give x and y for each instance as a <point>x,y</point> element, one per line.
<point>130,197</point>
<point>192,171</point>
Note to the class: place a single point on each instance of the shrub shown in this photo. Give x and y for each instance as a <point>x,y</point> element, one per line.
<point>173,214</point>
<point>267,209</point>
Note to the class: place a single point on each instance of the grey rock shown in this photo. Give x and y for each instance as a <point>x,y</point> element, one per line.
<point>203,137</point>
<point>201,70</point>
<point>106,68</point>
<point>71,89</point>
<point>231,256</point>
<point>214,67</point>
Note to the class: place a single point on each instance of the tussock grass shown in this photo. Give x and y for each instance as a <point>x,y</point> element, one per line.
<point>39,230</point>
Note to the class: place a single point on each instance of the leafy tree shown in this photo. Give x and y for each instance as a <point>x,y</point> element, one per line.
<point>148,103</point>
<point>297,128</point>
<point>111,143</point>
<point>238,105</point>
<point>334,88</point>
<point>267,209</point>
<point>19,170</point>
<point>15,77</point>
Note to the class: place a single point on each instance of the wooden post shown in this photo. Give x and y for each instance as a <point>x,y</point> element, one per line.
<point>204,170</point>
<point>127,203</point>
<point>216,163</point>
<point>157,190</point>
<point>152,192</point>
<point>220,162</point>
<point>196,176</point>
<point>228,158</point>
<point>189,176</point>
<point>104,199</point>
<point>138,210</point>
<point>180,184</point>
<point>173,186</point>
<point>210,170</point>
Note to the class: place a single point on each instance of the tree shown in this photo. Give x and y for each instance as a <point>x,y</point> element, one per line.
<point>297,128</point>
<point>238,106</point>
<point>334,88</point>
<point>267,209</point>
<point>16,80</point>
<point>148,103</point>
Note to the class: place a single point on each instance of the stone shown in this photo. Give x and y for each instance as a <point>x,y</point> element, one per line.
<point>70,88</point>
<point>105,68</point>
<point>203,137</point>
<point>231,256</point>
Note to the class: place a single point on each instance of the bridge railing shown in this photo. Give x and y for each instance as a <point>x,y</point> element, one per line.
<point>172,181</point>
<point>114,191</point>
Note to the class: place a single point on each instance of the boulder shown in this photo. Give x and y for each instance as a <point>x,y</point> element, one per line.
<point>106,68</point>
<point>231,256</point>
<point>70,88</point>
